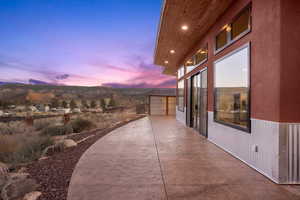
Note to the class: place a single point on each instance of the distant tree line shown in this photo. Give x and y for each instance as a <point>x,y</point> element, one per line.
<point>55,103</point>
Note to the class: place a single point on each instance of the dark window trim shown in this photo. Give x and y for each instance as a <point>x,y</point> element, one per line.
<point>195,66</point>
<point>201,63</point>
<point>229,34</point>
<point>177,96</point>
<point>248,129</point>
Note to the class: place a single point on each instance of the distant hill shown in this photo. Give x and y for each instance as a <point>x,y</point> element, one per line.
<point>38,82</point>
<point>21,93</point>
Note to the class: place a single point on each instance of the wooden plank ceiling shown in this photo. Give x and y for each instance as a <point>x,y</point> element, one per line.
<point>198,15</point>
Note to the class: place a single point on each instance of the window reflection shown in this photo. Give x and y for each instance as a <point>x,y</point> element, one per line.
<point>232,89</point>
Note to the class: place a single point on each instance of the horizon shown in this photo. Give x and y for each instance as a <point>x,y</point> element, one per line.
<point>81,43</point>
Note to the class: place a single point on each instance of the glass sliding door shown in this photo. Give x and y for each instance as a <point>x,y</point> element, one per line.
<point>203,104</point>
<point>195,101</point>
<point>198,106</point>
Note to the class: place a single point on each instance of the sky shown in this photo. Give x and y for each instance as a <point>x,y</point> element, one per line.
<point>80,42</point>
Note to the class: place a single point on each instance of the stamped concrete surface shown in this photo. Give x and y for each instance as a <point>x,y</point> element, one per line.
<point>159,158</point>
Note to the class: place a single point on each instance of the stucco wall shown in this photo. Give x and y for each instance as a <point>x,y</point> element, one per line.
<point>274,80</point>
<point>242,145</point>
<point>181,116</point>
<point>290,61</point>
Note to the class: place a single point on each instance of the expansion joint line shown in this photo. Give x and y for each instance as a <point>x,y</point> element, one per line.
<point>159,162</point>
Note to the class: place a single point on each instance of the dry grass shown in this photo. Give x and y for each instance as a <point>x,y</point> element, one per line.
<point>41,124</point>
<point>17,127</point>
<point>20,143</point>
<point>22,148</point>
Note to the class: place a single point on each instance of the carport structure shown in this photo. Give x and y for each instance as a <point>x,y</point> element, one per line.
<point>162,102</point>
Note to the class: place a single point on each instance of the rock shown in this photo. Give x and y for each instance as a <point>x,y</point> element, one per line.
<point>4,169</point>
<point>3,181</point>
<point>32,196</point>
<point>18,176</point>
<point>17,186</point>
<point>52,150</point>
<point>22,170</point>
<point>58,139</point>
<point>69,143</point>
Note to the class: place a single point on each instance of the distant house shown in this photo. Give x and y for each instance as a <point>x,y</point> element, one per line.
<point>33,109</point>
<point>11,106</point>
<point>43,108</point>
<point>63,110</point>
<point>20,108</point>
<point>76,110</point>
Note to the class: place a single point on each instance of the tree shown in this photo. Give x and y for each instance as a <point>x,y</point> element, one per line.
<point>112,103</point>
<point>4,104</point>
<point>73,104</point>
<point>84,104</point>
<point>103,104</point>
<point>93,104</point>
<point>64,104</point>
<point>54,103</point>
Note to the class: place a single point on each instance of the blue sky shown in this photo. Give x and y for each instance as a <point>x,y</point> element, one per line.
<point>80,42</point>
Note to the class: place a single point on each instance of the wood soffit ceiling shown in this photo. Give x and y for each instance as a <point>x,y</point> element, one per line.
<point>198,15</point>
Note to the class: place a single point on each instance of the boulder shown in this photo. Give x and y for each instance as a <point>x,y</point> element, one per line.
<point>32,196</point>
<point>58,139</point>
<point>69,143</point>
<point>17,186</point>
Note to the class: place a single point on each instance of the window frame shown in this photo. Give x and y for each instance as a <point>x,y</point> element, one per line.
<point>180,72</point>
<point>248,128</point>
<point>183,96</point>
<point>194,60</point>
<point>230,39</point>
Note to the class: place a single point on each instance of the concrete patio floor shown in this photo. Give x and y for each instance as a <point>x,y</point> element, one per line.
<point>158,158</point>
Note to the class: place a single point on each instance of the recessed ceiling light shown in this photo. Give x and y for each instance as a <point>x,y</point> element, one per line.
<point>166,62</point>
<point>172,51</point>
<point>184,27</point>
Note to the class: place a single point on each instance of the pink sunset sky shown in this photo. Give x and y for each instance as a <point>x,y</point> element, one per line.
<point>86,43</point>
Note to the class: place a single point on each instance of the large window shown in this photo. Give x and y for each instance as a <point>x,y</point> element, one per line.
<point>232,89</point>
<point>238,27</point>
<point>180,95</point>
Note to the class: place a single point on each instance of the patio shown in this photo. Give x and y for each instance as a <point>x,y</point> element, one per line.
<point>158,158</point>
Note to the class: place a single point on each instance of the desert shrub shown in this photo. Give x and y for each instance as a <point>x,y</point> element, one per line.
<point>40,124</point>
<point>15,128</point>
<point>57,130</point>
<point>80,125</point>
<point>22,148</point>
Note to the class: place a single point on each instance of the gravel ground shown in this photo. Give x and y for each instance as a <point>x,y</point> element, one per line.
<point>54,173</point>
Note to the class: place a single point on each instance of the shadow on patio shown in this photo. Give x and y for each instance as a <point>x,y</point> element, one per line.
<point>158,158</point>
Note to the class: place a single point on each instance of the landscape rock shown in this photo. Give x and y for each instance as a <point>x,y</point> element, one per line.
<point>22,170</point>
<point>17,186</point>
<point>4,168</point>
<point>18,176</point>
<point>32,195</point>
<point>58,139</point>
<point>69,143</point>
<point>3,181</point>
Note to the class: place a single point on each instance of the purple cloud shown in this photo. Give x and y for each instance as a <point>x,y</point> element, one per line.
<point>62,77</point>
